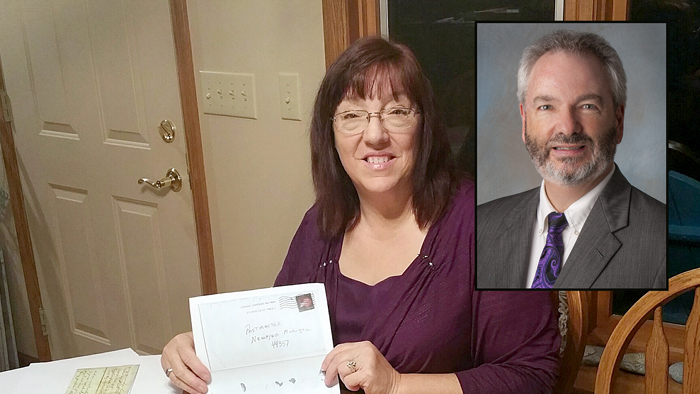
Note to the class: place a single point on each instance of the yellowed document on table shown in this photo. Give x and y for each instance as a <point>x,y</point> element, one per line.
<point>105,380</point>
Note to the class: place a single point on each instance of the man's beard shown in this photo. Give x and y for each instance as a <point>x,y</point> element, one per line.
<point>573,171</point>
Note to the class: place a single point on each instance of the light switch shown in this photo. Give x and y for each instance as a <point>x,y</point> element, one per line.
<point>243,90</point>
<point>231,94</point>
<point>289,96</point>
<point>212,100</point>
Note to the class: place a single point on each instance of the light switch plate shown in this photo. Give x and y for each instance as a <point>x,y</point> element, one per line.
<point>289,96</point>
<point>230,94</point>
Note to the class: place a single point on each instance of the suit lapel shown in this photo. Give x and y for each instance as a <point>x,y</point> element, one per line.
<point>597,244</point>
<point>593,250</point>
<point>515,240</point>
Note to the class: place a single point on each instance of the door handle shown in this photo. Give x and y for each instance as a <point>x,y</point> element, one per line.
<point>172,179</point>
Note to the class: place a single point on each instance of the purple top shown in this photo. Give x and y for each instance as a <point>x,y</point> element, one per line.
<point>430,319</point>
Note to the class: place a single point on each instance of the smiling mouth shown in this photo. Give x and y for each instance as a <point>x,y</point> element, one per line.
<point>377,159</point>
<point>568,147</point>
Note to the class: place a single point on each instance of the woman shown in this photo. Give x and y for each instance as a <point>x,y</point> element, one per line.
<point>386,192</point>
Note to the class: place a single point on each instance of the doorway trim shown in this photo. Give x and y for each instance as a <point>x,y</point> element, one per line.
<point>193,142</point>
<point>24,239</point>
<point>596,10</point>
<point>344,21</point>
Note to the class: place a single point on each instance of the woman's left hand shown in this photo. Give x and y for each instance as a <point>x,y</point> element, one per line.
<point>361,366</point>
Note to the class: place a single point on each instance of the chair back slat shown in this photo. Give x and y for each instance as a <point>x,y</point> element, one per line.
<point>656,360</point>
<point>635,317</point>
<point>691,359</point>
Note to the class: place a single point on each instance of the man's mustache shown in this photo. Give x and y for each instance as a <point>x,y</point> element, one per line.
<point>573,139</point>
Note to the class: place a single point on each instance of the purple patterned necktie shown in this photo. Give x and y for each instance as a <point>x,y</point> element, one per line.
<point>552,255</point>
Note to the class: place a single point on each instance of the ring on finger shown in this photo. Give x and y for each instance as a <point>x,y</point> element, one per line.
<point>352,366</point>
<point>168,372</point>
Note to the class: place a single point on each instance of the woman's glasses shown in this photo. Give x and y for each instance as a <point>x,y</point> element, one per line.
<point>395,119</point>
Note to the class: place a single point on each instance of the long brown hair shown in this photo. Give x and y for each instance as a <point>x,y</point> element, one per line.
<point>371,67</point>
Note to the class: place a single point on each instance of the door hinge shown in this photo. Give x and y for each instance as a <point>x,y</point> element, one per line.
<point>42,317</point>
<point>7,111</point>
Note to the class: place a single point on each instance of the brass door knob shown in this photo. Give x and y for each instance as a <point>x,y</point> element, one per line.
<point>172,179</point>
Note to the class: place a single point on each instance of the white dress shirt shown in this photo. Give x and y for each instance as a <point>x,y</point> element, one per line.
<point>576,216</point>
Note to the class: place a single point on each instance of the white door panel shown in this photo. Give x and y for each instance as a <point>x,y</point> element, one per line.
<point>90,81</point>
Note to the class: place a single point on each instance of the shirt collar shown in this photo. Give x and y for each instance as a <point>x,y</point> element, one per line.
<point>577,213</point>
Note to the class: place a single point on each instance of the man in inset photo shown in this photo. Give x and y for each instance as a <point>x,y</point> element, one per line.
<point>582,224</point>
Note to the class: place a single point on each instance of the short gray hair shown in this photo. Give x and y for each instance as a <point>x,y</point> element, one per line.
<point>580,43</point>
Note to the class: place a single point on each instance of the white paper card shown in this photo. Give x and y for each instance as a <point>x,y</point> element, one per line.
<point>264,341</point>
<point>151,379</point>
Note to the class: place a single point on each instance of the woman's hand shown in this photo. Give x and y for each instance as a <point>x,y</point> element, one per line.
<point>188,373</point>
<point>361,366</point>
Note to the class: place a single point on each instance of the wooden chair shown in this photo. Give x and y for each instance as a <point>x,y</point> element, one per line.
<point>656,379</point>
<point>576,332</point>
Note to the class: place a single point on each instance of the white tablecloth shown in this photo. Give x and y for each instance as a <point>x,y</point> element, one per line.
<point>54,377</point>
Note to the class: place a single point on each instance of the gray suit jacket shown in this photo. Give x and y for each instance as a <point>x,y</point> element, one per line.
<point>622,244</point>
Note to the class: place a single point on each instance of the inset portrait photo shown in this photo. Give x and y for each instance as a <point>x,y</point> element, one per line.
<point>571,156</point>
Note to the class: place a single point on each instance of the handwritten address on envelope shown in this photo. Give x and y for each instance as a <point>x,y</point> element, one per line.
<point>263,340</point>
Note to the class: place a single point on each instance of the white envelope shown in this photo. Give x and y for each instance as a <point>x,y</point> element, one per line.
<point>264,341</point>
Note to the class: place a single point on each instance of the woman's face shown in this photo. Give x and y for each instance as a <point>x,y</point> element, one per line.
<point>380,158</point>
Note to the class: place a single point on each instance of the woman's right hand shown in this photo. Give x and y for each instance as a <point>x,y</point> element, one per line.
<point>188,373</point>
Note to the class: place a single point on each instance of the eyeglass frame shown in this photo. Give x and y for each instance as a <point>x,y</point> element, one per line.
<point>378,114</point>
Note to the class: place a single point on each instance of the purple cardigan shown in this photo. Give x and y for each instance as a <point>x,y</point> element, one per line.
<point>430,319</point>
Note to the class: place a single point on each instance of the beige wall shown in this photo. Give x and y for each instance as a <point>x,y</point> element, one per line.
<point>258,171</point>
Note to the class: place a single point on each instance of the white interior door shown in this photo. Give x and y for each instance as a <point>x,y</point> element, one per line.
<point>90,82</point>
